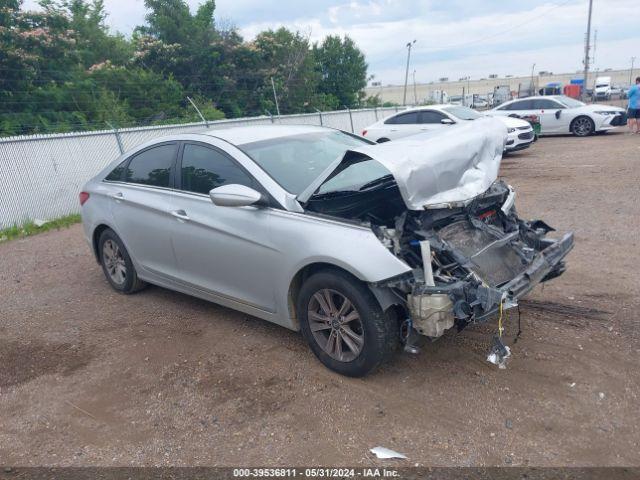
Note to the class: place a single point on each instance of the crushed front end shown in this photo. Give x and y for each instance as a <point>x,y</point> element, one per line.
<point>471,260</point>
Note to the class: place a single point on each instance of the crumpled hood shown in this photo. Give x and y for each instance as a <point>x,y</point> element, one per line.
<point>444,168</point>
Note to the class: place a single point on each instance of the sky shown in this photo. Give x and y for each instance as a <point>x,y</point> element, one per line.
<point>454,38</point>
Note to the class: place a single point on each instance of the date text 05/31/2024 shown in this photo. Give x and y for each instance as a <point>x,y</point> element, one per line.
<point>315,472</point>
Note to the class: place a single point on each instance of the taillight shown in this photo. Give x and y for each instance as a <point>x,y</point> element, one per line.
<point>364,132</point>
<point>84,196</point>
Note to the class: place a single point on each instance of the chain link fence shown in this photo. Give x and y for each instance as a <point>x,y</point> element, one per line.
<point>41,175</point>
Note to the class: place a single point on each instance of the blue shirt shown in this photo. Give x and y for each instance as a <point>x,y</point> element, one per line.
<point>634,96</point>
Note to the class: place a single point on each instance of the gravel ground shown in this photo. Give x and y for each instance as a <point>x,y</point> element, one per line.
<point>90,377</point>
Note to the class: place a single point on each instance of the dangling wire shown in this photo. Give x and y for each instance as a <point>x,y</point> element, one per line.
<point>500,329</point>
<point>519,326</point>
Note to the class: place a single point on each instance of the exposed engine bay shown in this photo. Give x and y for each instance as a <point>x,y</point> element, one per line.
<point>435,202</point>
<point>467,261</point>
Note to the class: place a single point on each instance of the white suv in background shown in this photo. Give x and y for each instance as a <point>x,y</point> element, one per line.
<point>434,117</point>
<point>560,114</point>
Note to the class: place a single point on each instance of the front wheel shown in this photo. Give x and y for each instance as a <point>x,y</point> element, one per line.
<point>582,126</point>
<point>344,325</point>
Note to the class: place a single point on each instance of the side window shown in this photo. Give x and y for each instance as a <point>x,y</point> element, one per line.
<point>116,173</point>
<point>429,116</point>
<point>205,168</point>
<point>519,105</point>
<point>404,119</point>
<point>152,167</point>
<point>545,104</point>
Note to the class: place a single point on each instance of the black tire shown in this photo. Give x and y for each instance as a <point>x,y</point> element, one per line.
<point>382,140</point>
<point>130,283</point>
<point>379,332</point>
<point>582,126</point>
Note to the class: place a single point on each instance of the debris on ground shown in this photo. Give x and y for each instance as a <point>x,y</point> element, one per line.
<point>499,353</point>
<point>385,453</point>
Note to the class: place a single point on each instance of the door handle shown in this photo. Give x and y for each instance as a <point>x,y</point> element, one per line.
<point>118,196</point>
<point>180,215</point>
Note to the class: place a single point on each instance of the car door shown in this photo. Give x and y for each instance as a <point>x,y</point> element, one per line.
<point>226,251</point>
<point>401,125</point>
<point>431,120</point>
<point>141,202</point>
<point>551,115</point>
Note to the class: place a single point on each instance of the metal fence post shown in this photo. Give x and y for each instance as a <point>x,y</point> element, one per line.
<point>118,138</point>
<point>350,118</point>
<point>375,110</point>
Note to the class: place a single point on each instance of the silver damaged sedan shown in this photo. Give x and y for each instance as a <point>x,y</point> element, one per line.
<point>364,248</point>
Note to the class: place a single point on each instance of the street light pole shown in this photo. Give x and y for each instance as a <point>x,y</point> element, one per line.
<point>531,87</point>
<point>406,74</point>
<point>633,59</point>
<point>586,51</point>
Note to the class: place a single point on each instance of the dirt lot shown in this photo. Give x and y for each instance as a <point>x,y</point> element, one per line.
<point>90,377</point>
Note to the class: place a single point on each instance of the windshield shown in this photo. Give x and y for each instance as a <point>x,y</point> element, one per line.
<point>463,113</point>
<point>297,160</point>
<point>364,175</point>
<point>570,102</point>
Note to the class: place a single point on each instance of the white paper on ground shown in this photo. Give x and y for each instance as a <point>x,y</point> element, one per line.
<point>385,453</point>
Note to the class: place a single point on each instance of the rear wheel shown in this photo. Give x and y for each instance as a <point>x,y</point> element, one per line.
<point>582,126</point>
<point>117,265</point>
<point>344,324</point>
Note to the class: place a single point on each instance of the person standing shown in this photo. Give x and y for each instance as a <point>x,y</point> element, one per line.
<point>633,112</point>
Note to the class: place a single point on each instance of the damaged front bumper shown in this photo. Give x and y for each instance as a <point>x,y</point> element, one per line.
<point>547,264</point>
<point>471,261</point>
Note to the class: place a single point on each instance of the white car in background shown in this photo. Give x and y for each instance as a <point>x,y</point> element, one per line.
<point>435,117</point>
<point>559,114</point>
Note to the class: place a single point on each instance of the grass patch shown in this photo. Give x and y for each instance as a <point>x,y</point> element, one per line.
<point>30,228</point>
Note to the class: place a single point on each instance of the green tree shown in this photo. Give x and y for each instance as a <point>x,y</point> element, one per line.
<point>342,68</point>
<point>94,43</point>
<point>286,57</point>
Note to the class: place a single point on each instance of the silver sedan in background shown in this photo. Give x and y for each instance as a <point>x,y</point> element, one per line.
<point>362,247</point>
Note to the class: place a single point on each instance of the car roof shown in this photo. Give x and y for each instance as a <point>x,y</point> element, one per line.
<point>537,97</point>
<point>438,106</point>
<point>256,133</point>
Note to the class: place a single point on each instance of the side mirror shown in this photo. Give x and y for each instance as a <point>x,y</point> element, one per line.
<point>234,195</point>
<point>447,121</point>
<point>558,113</point>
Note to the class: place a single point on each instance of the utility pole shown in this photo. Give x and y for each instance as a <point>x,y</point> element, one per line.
<point>275,97</point>
<point>633,59</point>
<point>415,91</point>
<point>532,87</point>
<point>586,52</point>
<point>406,74</point>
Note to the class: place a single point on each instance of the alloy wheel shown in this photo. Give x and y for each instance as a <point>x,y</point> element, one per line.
<point>114,262</point>
<point>582,126</point>
<point>336,325</point>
